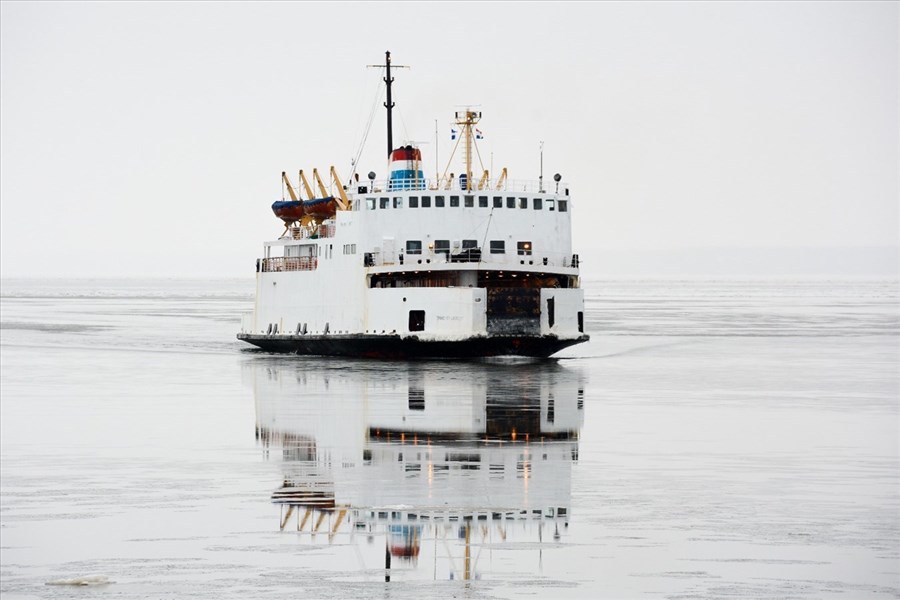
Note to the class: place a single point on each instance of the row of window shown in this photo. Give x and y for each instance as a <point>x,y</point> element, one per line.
<point>443,246</point>
<point>469,202</point>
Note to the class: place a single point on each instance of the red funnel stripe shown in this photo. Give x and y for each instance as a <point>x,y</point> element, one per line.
<point>408,153</point>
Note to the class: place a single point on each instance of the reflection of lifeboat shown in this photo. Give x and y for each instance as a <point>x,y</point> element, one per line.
<point>320,207</point>
<point>288,210</point>
<point>405,540</point>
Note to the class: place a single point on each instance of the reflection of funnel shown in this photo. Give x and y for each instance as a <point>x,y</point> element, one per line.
<point>404,540</point>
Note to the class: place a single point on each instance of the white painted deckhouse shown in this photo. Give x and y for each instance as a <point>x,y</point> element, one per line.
<point>455,266</point>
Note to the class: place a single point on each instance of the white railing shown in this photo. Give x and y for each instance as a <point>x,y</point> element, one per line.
<point>326,230</point>
<point>287,263</point>
<point>509,260</point>
<point>509,186</point>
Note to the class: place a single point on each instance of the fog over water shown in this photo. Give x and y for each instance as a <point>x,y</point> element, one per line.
<point>714,439</point>
<point>711,139</point>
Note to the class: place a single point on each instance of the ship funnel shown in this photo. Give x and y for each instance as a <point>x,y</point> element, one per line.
<point>406,169</point>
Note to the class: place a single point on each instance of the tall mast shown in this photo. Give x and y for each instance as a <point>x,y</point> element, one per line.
<point>388,80</point>
<point>466,120</point>
<point>389,105</point>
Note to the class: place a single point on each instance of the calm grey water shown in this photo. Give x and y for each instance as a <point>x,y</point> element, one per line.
<point>714,439</point>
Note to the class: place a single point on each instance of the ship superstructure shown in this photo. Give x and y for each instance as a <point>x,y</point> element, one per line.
<point>413,266</point>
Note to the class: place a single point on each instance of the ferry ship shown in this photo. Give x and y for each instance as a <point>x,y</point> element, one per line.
<point>412,267</point>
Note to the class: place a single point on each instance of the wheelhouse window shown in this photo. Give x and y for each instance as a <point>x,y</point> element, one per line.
<point>551,204</point>
<point>498,247</point>
<point>510,203</point>
<point>384,203</point>
<point>524,248</point>
<point>442,246</point>
<point>426,201</point>
<point>482,201</point>
<point>537,203</point>
<point>370,203</point>
<point>398,201</point>
<point>414,247</point>
<point>523,202</point>
<point>454,201</point>
<point>563,206</point>
<point>439,202</point>
<point>469,244</point>
<point>414,202</point>
<point>470,201</point>
<point>498,201</point>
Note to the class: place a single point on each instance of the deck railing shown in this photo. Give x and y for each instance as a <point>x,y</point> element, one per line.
<point>455,185</point>
<point>305,233</point>
<point>287,263</point>
<point>494,261</point>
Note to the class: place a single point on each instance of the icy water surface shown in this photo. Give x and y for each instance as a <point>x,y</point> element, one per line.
<point>714,439</point>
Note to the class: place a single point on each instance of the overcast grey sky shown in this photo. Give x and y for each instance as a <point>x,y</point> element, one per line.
<point>148,138</point>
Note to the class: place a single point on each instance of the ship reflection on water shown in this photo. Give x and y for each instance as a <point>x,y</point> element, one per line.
<point>421,463</point>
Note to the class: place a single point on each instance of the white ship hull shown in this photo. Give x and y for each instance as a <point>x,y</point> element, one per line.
<point>387,279</point>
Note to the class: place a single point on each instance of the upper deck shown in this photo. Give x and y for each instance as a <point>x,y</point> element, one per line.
<point>400,223</point>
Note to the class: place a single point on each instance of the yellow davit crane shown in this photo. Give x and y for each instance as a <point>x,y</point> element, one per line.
<point>484,180</point>
<point>344,202</point>
<point>501,181</point>
<point>290,188</point>
<point>306,185</point>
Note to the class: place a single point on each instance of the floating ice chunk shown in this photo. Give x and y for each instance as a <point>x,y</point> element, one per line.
<point>86,580</point>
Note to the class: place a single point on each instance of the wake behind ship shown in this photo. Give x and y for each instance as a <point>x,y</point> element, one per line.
<point>412,267</point>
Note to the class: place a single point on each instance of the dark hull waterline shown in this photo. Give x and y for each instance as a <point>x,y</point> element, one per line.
<point>394,346</point>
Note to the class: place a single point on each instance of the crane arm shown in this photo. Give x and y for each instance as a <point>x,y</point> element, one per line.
<point>344,202</point>
<point>318,179</point>
<point>484,180</point>
<point>290,188</point>
<point>502,179</point>
<point>306,185</point>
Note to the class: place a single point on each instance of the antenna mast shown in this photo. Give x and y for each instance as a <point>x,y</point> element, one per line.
<point>389,104</point>
<point>467,120</point>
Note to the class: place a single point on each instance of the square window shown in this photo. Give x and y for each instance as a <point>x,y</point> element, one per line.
<point>524,248</point>
<point>523,202</point>
<point>454,201</point>
<point>498,247</point>
<point>384,203</point>
<point>498,201</point>
<point>370,203</point>
<point>426,201</point>
<point>414,202</point>
<point>482,201</point>
<point>414,247</point>
<point>510,203</point>
<point>439,202</point>
<point>537,203</point>
<point>442,246</point>
<point>417,320</point>
<point>470,201</point>
<point>551,204</point>
<point>398,201</point>
<point>563,205</point>
<point>468,244</point>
